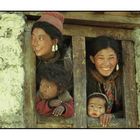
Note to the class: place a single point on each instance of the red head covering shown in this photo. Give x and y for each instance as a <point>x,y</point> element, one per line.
<point>54,18</point>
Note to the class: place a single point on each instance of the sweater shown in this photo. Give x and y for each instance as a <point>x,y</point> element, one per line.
<point>42,106</point>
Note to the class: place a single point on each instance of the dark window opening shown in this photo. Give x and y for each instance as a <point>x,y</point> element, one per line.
<point>67,44</point>
<point>119,113</point>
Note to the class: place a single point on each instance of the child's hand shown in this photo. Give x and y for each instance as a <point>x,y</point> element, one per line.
<point>55,103</point>
<point>58,110</point>
<point>105,119</point>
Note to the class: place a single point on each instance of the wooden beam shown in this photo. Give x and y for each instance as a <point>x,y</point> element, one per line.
<point>92,31</point>
<point>53,125</point>
<point>93,18</point>
<point>54,122</point>
<point>115,123</point>
<point>96,19</point>
<point>79,76</point>
<point>29,85</point>
<point>130,96</point>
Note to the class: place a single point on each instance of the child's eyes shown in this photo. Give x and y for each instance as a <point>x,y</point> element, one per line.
<point>48,86</point>
<point>100,107</point>
<point>91,106</point>
<point>45,86</point>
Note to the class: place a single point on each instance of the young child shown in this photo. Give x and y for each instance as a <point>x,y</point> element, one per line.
<point>97,104</point>
<point>53,97</point>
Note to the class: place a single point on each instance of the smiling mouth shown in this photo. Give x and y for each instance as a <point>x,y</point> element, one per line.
<point>106,69</point>
<point>37,49</point>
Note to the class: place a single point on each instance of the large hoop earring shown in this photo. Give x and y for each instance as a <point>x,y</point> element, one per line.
<point>117,67</point>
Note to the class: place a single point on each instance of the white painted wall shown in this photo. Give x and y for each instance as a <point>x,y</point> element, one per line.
<point>11,70</point>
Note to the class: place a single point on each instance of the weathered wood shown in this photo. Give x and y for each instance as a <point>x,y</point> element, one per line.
<point>92,31</point>
<point>78,33</point>
<point>54,122</point>
<point>115,123</point>
<point>53,125</point>
<point>79,75</point>
<point>130,95</point>
<point>29,86</point>
<point>106,19</point>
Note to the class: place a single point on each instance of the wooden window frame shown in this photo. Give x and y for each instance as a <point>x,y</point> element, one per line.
<point>80,119</point>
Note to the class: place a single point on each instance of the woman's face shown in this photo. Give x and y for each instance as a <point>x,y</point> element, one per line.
<point>48,89</point>
<point>105,61</point>
<point>42,43</point>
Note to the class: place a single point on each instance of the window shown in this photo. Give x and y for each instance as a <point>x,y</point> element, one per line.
<point>79,33</point>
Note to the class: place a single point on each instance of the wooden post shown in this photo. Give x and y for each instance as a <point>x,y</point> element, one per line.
<point>29,85</point>
<point>79,75</point>
<point>130,96</point>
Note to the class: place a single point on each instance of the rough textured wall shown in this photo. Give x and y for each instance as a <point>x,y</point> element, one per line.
<point>136,35</point>
<point>11,70</point>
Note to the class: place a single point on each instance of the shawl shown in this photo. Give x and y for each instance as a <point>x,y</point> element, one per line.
<point>107,84</point>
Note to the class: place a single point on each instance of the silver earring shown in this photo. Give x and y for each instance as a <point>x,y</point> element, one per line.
<point>56,47</point>
<point>53,48</point>
<point>117,67</point>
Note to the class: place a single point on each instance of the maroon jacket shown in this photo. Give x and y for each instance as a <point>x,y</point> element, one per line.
<point>43,108</point>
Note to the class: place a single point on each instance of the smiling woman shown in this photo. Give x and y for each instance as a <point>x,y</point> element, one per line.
<point>104,68</point>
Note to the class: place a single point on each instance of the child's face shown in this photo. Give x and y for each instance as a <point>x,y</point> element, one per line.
<point>48,89</point>
<point>96,107</point>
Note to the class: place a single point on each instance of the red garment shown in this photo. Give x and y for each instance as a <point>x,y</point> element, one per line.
<point>43,108</point>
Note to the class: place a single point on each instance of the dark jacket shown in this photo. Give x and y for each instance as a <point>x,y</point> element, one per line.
<point>94,86</point>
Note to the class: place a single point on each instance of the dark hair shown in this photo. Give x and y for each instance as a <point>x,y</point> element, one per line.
<point>100,96</point>
<point>53,73</point>
<point>49,29</point>
<point>102,42</point>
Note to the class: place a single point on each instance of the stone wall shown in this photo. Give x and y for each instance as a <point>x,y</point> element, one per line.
<point>11,70</point>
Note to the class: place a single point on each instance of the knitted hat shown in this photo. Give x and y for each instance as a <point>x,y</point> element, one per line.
<point>98,94</point>
<point>54,18</point>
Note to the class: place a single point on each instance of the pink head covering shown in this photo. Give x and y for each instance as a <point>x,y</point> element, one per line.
<point>54,18</point>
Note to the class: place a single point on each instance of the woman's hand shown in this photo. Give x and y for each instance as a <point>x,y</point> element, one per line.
<point>105,119</point>
<point>55,103</point>
<point>58,110</point>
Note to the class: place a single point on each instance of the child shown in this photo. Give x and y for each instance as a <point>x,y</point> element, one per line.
<point>97,104</point>
<point>53,97</point>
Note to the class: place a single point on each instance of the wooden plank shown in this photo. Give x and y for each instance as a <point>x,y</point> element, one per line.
<point>52,125</point>
<point>92,18</point>
<point>92,31</point>
<point>79,75</point>
<point>98,19</point>
<point>115,123</point>
<point>60,120</point>
<point>130,96</point>
<point>54,122</point>
<point>29,86</point>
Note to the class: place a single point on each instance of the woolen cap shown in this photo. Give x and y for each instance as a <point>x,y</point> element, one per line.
<point>54,18</point>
